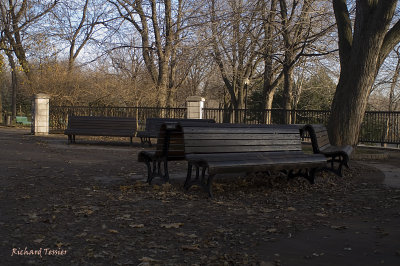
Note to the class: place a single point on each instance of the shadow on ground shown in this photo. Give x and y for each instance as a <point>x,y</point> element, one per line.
<point>88,204</point>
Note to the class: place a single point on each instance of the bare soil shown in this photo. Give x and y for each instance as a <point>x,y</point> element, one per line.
<point>88,204</point>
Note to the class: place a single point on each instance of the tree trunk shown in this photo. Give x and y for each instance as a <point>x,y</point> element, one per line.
<point>1,108</point>
<point>361,56</point>
<point>269,98</point>
<point>14,83</point>
<point>269,87</point>
<point>287,93</point>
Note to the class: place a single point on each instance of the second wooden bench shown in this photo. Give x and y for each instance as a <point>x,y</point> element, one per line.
<point>321,145</point>
<point>219,150</point>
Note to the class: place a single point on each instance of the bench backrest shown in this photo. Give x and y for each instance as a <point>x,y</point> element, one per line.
<point>319,136</point>
<point>241,139</point>
<point>170,141</point>
<point>153,124</point>
<point>108,124</point>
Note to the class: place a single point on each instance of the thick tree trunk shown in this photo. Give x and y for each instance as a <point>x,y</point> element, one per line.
<point>348,107</point>
<point>162,84</point>
<point>361,55</point>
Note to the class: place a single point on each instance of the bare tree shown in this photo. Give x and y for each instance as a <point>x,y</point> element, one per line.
<point>301,27</point>
<point>77,23</point>
<point>362,49</point>
<point>15,18</point>
<point>161,35</point>
<point>272,75</point>
<point>234,42</point>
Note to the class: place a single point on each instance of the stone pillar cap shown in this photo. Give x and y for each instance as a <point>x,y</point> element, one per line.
<point>195,99</point>
<point>41,96</point>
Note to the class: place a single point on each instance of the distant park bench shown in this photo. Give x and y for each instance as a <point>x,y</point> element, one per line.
<point>320,143</point>
<point>100,126</point>
<point>153,127</point>
<point>23,120</point>
<point>246,149</point>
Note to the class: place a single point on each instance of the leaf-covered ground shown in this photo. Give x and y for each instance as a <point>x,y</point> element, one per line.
<point>88,204</point>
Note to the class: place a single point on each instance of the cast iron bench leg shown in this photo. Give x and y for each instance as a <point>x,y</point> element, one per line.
<point>149,172</point>
<point>188,177</point>
<point>165,176</point>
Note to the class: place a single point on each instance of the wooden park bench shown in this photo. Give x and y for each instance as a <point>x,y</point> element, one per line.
<point>100,126</point>
<point>170,145</point>
<point>246,149</point>
<point>153,127</point>
<point>23,120</point>
<point>321,145</point>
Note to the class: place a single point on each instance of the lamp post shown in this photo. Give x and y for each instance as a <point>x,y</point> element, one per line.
<point>246,84</point>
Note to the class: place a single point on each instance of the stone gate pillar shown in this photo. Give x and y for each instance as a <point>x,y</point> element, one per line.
<point>195,105</point>
<point>40,114</point>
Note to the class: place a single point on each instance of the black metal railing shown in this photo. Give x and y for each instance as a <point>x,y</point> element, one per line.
<point>380,127</point>
<point>268,116</point>
<point>377,127</point>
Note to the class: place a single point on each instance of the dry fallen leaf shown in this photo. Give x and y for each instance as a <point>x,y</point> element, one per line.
<point>339,227</point>
<point>136,225</point>
<point>147,259</point>
<point>190,247</point>
<point>82,235</point>
<point>173,225</point>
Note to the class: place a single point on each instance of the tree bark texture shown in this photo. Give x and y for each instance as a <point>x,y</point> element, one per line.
<point>361,50</point>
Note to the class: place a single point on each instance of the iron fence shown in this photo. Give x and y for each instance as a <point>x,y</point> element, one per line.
<point>267,116</point>
<point>377,127</point>
<point>380,127</point>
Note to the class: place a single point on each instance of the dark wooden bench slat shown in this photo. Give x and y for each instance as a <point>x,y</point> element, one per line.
<point>224,149</point>
<point>242,142</point>
<point>241,130</point>
<point>236,136</point>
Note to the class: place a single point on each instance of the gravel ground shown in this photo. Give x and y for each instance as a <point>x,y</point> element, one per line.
<point>88,204</point>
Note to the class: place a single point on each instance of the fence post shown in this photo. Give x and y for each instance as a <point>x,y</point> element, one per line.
<point>195,105</point>
<point>40,114</point>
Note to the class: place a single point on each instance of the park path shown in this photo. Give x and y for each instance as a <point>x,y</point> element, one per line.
<point>83,198</point>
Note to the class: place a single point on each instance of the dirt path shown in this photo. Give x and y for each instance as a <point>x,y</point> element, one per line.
<point>87,204</point>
